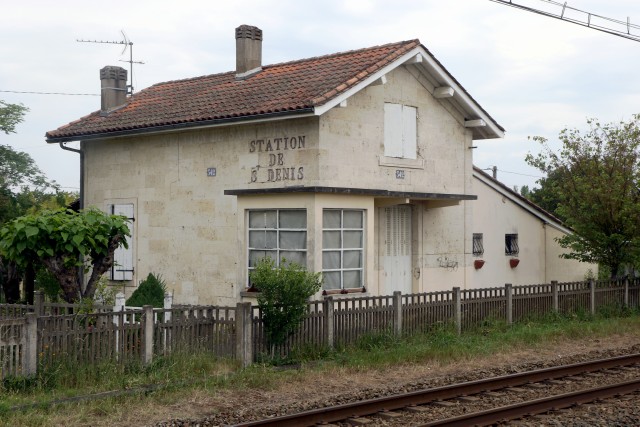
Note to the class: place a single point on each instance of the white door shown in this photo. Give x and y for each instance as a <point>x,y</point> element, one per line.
<point>396,250</point>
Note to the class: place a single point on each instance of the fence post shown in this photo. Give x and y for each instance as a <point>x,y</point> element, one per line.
<point>30,361</point>
<point>168,303</point>
<point>626,291</point>
<point>147,330</point>
<point>554,292</point>
<point>457,309</point>
<point>509,293</point>
<point>244,339</point>
<point>120,301</point>
<point>329,322</point>
<point>397,312</point>
<point>117,310</point>
<point>38,303</point>
<point>166,331</point>
<point>592,291</point>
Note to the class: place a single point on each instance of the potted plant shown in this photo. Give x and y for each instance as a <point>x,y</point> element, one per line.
<point>478,263</point>
<point>513,262</point>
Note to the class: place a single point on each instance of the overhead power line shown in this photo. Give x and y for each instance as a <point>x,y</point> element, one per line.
<point>49,93</point>
<point>580,17</point>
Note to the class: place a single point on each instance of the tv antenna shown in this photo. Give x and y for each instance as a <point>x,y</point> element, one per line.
<point>128,44</point>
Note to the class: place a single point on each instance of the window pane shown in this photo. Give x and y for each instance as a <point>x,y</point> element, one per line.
<point>352,259</point>
<point>257,239</point>
<point>331,260</point>
<point>331,280</point>
<point>297,257</point>
<point>352,219</point>
<point>255,256</point>
<point>256,219</point>
<point>270,219</point>
<point>331,240</point>
<point>330,218</point>
<point>293,219</point>
<point>352,239</point>
<point>352,279</point>
<point>262,239</point>
<point>293,239</point>
<point>270,239</point>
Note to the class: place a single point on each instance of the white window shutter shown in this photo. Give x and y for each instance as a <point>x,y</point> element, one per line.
<point>392,130</point>
<point>123,257</point>
<point>409,132</point>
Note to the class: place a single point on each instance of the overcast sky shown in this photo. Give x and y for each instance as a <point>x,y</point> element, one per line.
<point>534,75</point>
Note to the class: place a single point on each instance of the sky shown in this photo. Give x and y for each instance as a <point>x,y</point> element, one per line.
<point>533,74</point>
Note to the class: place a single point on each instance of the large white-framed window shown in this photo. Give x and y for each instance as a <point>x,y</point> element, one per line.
<point>342,248</point>
<point>123,268</point>
<point>278,234</point>
<point>400,131</point>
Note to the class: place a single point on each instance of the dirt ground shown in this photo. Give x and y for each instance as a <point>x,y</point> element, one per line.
<point>309,388</point>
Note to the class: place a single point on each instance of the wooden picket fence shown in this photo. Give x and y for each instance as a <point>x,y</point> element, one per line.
<point>33,337</point>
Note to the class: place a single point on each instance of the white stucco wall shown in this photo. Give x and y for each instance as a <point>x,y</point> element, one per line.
<point>496,215</point>
<point>352,155</point>
<point>192,234</point>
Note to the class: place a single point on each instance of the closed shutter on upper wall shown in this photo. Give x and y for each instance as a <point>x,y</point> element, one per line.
<point>123,257</point>
<point>409,132</point>
<point>400,131</point>
<point>392,130</point>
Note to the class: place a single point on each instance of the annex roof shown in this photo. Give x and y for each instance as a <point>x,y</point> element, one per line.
<point>526,204</point>
<point>286,90</point>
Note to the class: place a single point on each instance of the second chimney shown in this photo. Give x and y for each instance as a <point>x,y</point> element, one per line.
<point>248,50</point>
<point>113,82</point>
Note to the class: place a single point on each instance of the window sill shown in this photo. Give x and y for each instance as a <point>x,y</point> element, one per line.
<point>401,163</point>
<point>361,290</point>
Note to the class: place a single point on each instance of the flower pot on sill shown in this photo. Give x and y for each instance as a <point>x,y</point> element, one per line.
<point>513,262</point>
<point>478,263</point>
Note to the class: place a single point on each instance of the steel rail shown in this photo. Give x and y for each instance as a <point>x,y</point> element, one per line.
<point>389,403</point>
<point>538,406</point>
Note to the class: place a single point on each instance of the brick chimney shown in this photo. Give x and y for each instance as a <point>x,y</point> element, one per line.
<point>248,51</point>
<point>113,82</point>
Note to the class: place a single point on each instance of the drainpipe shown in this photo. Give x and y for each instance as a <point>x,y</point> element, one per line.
<point>81,170</point>
<point>80,269</point>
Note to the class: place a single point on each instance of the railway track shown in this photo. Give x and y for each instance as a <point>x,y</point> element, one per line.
<point>390,407</point>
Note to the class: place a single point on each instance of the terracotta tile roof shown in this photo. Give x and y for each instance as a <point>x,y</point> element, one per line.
<point>291,87</point>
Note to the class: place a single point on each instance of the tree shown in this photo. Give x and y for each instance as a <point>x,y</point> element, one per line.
<point>284,292</point>
<point>10,116</point>
<point>595,178</point>
<point>23,188</point>
<point>544,196</point>
<point>62,241</point>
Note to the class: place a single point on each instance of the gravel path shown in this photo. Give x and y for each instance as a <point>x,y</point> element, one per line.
<point>310,388</point>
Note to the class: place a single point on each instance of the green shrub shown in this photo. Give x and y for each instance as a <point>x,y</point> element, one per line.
<point>284,292</point>
<point>150,292</point>
<point>48,284</point>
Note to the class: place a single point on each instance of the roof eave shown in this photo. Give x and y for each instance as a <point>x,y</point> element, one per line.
<point>525,204</point>
<point>490,130</point>
<point>255,118</point>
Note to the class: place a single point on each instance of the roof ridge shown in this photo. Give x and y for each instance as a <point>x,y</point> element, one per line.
<point>295,61</point>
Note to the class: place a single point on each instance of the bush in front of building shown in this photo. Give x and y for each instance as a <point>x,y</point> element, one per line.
<point>150,292</point>
<point>284,292</point>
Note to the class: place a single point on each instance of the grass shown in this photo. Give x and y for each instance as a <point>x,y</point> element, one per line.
<point>197,377</point>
